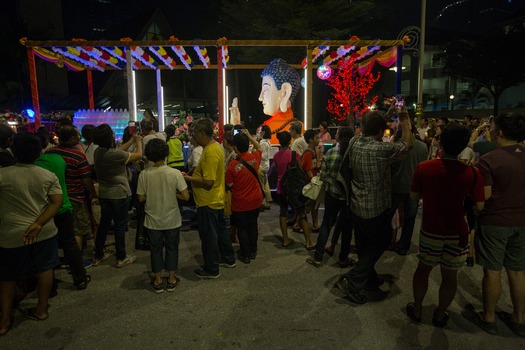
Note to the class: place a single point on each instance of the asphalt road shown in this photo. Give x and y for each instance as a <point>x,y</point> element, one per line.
<point>277,301</point>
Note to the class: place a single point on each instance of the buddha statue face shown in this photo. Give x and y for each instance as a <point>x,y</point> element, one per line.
<point>269,96</point>
<point>280,85</point>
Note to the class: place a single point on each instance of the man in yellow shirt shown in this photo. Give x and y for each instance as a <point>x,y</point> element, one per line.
<point>208,190</point>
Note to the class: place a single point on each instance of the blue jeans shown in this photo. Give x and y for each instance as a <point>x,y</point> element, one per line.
<point>247,231</point>
<point>167,240</point>
<point>334,208</point>
<point>410,214</point>
<point>215,241</point>
<point>372,238</point>
<point>116,210</point>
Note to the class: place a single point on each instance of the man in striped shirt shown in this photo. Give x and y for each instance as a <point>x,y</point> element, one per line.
<point>78,179</point>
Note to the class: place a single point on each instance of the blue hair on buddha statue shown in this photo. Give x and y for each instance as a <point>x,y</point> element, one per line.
<point>282,73</point>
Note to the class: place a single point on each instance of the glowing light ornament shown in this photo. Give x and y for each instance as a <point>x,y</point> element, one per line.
<point>324,72</point>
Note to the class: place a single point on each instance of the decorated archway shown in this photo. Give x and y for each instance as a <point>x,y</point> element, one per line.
<point>81,55</point>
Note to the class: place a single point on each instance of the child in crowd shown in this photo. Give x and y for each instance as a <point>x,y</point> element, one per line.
<point>157,185</point>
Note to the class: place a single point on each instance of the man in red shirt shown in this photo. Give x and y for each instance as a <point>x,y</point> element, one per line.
<point>443,184</point>
<point>246,193</point>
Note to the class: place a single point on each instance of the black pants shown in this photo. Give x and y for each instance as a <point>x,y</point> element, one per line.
<point>372,238</point>
<point>247,231</point>
<point>334,211</point>
<point>67,242</point>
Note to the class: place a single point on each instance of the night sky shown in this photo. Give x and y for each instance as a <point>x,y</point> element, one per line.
<point>199,18</point>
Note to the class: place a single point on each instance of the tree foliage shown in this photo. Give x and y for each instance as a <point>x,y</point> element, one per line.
<point>351,91</point>
<point>290,19</point>
<point>495,63</point>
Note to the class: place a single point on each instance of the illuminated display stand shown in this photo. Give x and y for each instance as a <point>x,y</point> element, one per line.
<point>117,119</point>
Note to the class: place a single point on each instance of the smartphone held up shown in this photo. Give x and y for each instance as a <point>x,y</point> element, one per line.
<point>133,127</point>
<point>399,101</point>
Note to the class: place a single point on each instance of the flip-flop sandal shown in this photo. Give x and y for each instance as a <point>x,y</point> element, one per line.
<point>289,244</point>
<point>30,314</point>
<point>316,229</point>
<point>518,329</point>
<point>298,230</point>
<point>440,323</point>
<point>410,313</point>
<point>477,318</point>
<point>356,298</point>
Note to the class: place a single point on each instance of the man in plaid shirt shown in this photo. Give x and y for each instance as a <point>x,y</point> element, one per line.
<point>370,160</point>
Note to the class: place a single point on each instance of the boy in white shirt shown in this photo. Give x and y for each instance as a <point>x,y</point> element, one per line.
<point>157,186</point>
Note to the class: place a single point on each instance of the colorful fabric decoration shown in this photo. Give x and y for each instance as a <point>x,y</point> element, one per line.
<point>318,51</point>
<point>138,53</point>
<point>179,50</point>
<point>57,59</point>
<point>161,53</point>
<point>98,55</point>
<point>224,53</point>
<point>340,52</point>
<point>385,58</point>
<point>115,52</point>
<point>202,52</point>
<point>81,57</point>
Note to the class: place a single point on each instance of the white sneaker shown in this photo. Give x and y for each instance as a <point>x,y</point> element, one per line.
<point>107,254</point>
<point>128,260</point>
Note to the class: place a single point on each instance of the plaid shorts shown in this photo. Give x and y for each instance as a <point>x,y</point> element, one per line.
<point>442,250</point>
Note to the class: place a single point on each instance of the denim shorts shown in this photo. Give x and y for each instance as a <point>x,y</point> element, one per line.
<point>498,247</point>
<point>18,263</point>
<point>442,250</point>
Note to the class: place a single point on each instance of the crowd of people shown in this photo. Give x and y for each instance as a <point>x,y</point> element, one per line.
<point>467,176</point>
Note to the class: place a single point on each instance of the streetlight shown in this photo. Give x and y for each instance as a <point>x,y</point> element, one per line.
<point>451,103</point>
<point>422,52</point>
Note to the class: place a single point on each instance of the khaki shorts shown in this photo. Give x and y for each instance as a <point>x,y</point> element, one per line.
<point>442,250</point>
<point>82,218</point>
<point>498,247</point>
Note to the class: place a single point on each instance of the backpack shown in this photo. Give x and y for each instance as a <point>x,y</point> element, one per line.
<point>293,181</point>
<point>344,174</point>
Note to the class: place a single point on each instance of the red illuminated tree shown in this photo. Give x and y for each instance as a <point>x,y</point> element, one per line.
<point>352,88</point>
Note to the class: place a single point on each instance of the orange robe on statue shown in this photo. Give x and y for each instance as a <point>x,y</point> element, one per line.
<point>279,122</point>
